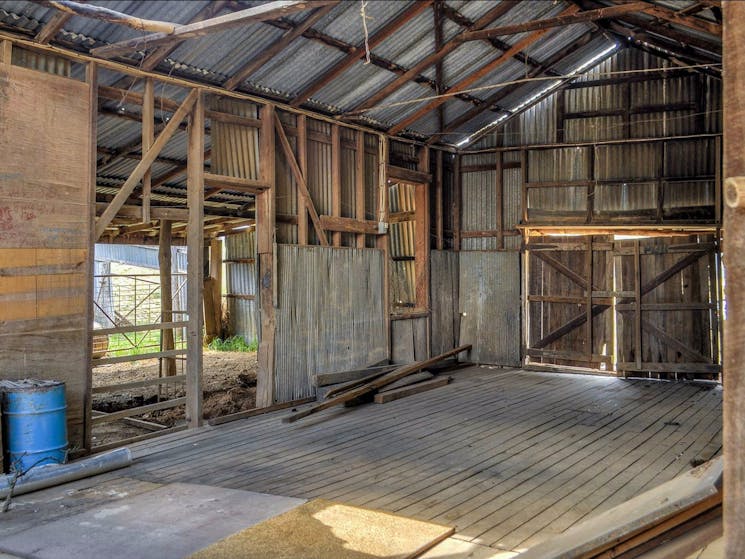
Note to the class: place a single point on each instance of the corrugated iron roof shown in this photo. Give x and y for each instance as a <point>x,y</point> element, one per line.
<point>217,56</point>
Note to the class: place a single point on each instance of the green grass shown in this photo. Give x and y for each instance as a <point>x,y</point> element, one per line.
<point>135,343</point>
<point>234,343</point>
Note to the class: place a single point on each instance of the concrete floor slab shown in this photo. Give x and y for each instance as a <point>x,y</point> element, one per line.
<point>166,523</point>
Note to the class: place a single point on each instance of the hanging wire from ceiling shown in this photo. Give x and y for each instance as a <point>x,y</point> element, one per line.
<point>365,17</point>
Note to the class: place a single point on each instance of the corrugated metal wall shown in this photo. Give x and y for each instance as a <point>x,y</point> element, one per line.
<point>625,178</point>
<point>330,315</point>
<point>240,278</point>
<point>489,303</point>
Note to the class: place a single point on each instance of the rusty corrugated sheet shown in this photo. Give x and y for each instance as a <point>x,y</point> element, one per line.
<point>343,329</point>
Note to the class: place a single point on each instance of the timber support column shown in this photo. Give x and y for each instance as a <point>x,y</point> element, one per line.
<point>733,373</point>
<point>167,364</point>
<point>195,264</point>
<point>265,225</point>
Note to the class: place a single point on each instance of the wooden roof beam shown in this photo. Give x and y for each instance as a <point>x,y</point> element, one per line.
<point>327,40</point>
<point>501,93</point>
<point>689,21</point>
<point>561,20</point>
<point>343,65</point>
<point>263,12</point>
<point>110,16</point>
<point>275,48</point>
<point>485,70</point>
<point>52,27</point>
<point>456,17</point>
<point>496,12</point>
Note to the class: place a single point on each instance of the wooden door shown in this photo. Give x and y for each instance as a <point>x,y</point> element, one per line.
<point>569,290</point>
<point>668,311</point>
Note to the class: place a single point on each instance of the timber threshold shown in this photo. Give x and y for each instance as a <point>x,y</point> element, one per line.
<point>509,457</point>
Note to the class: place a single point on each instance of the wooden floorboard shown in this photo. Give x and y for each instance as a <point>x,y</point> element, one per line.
<point>507,456</point>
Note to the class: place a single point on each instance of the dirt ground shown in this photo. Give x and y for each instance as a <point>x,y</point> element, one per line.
<point>229,386</point>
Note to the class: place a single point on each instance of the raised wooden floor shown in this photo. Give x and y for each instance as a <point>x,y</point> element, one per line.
<point>507,456</point>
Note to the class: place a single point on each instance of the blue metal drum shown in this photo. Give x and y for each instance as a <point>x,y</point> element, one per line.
<point>34,423</point>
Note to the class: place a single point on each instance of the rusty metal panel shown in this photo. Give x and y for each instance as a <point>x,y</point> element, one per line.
<point>330,315</point>
<point>489,304</point>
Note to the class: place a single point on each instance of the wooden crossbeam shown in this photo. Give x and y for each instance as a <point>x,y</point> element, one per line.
<point>275,48</point>
<point>160,53</point>
<point>340,67</point>
<point>147,160</point>
<point>238,184</point>
<point>263,12</point>
<point>475,76</point>
<point>689,21</point>
<point>565,19</point>
<point>110,16</point>
<point>496,12</point>
<point>299,180</point>
<point>52,27</point>
<point>561,268</point>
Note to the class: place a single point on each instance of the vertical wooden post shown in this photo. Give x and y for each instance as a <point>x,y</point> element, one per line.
<point>91,76</point>
<point>335,180</point>
<point>660,183</point>
<point>383,241</point>
<point>734,250</point>
<point>195,265</point>
<point>499,184</point>
<point>439,217</point>
<point>456,203</point>
<point>592,185</point>
<point>524,180</point>
<point>216,274</point>
<point>148,137</point>
<point>265,225</point>
<point>718,180</point>
<point>359,184</point>
<point>6,52</point>
<point>637,305</point>
<point>588,299</point>
<point>167,364</point>
<point>302,159</point>
<point>560,112</point>
<point>421,244</point>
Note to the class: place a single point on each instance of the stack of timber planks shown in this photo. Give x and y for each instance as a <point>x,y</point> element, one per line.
<point>381,382</point>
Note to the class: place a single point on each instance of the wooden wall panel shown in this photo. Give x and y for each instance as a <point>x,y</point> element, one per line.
<point>444,300</point>
<point>45,234</point>
<point>409,340</point>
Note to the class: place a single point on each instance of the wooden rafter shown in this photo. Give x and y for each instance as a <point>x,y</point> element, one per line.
<point>501,93</point>
<point>475,76</point>
<point>299,180</point>
<point>52,27</point>
<point>160,53</point>
<point>689,21</point>
<point>564,19</point>
<point>263,12</point>
<point>110,16</point>
<point>147,160</point>
<point>275,48</point>
<point>496,12</point>
<point>667,32</point>
<point>340,67</point>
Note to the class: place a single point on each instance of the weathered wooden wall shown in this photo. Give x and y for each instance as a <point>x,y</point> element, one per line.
<point>45,235</point>
<point>409,340</point>
<point>445,316</point>
<point>489,303</point>
<point>330,315</point>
